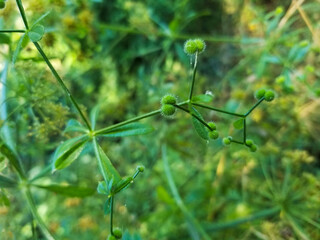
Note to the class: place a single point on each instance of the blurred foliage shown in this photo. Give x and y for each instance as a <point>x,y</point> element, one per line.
<point>125,55</point>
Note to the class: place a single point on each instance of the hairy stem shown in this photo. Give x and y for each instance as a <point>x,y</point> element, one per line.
<point>60,81</point>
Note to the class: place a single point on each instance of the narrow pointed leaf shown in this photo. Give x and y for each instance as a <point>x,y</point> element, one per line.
<point>68,151</point>
<point>239,124</point>
<point>75,126</point>
<point>41,18</point>
<point>22,41</point>
<point>71,191</point>
<point>108,171</point>
<point>7,182</point>
<point>205,98</point>
<point>122,184</point>
<point>131,129</point>
<point>13,159</point>
<point>198,126</point>
<point>36,33</point>
<point>103,188</point>
<point>94,116</point>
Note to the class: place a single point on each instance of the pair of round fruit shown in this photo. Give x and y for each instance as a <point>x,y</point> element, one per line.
<point>117,234</point>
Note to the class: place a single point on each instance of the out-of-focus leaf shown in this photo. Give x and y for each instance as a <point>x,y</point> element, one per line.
<point>198,126</point>
<point>74,126</point>
<point>238,124</point>
<point>94,116</point>
<point>41,18</point>
<point>4,38</point>
<point>68,151</point>
<point>206,98</point>
<point>13,159</point>
<point>4,199</point>
<point>7,182</point>
<point>71,191</point>
<point>36,33</point>
<point>131,129</point>
<point>21,44</point>
<point>107,169</point>
<point>104,187</point>
<point>107,206</point>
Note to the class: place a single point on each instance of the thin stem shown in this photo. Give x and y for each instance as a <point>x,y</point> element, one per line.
<point>36,215</point>
<point>244,130</point>
<point>12,31</point>
<point>56,75</point>
<point>135,174</point>
<point>238,142</point>
<point>195,116</point>
<point>256,105</point>
<point>193,75</point>
<point>22,13</point>
<point>111,214</point>
<point>177,197</point>
<point>217,109</point>
<point>135,119</point>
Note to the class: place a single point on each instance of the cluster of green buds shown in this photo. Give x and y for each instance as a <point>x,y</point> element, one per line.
<point>250,144</point>
<point>117,234</point>
<point>227,140</point>
<point>194,46</point>
<point>2,4</point>
<point>167,105</point>
<point>213,133</point>
<point>267,94</point>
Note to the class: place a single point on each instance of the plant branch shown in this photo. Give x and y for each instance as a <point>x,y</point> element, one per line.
<point>60,81</point>
<point>256,105</point>
<point>12,31</point>
<point>111,214</point>
<point>22,13</point>
<point>193,75</point>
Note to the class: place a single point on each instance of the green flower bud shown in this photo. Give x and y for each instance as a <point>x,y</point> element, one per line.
<point>226,141</point>
<point>193,46</point>
<point>168,99</point>
<point>201,45</point>
<point>213,134</point>
<point>253,148</point>
<point>168,110</point>
<point>269,95</point>
<point>111,237</point>
<point>260,93</point>
<point>140,168</point>
<point>212,125</point>
<point>117,233</point>
<point>249,142</point>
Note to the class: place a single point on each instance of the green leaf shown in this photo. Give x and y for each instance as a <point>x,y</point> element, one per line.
<point>94,116</point>
<point>74,126</point>
<point>107,206</point>
<point>239,123</point>
<point>103,188</point>
<point>41,18</point>
<point>68,151</point>
<point>7,182</point>
<point>4,39</point>
<point>13,159</point>
<point>36,33</point>
<point>108,171</point>
<point>122,184</point>
<point>71,191</point>
<point>21,44</point>
<point>198,126</point>
<point>205,98</point>
<point>131,129</point>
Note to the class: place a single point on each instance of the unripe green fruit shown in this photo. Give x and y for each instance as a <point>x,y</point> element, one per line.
<point>140,168</point>
<point>260,93</point>
<point>226,141</point>
<point>193,46</point>
<point>212,125</point>
<point>201,45</point>
<point>167,110</point>
<point>253,148</point>
<point>269,95</point>
<point>168,99</point>
<point>110,237</point>
<point>230,138</point>
<point>249,142</point>
<point>117,233</point>
<point>214,134</point>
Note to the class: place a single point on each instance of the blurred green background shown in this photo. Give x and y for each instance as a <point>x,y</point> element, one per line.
<point>125,55</point>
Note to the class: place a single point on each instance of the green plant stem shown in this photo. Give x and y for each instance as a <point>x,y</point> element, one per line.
<point>135,174</point>
<point>256,105</point>
<point>262,214</point>
<point>135,119</point>
<point>22,13</point>
<point>60,81</point>
<point>193,75</point>
<point>12,31</point>
<point>235,141</point>
<point>111,214</point>
<point>217,109</point>
<point>177,197</point>
<point>244,130</point>
<point>195,116</point>
<point>35,213</point>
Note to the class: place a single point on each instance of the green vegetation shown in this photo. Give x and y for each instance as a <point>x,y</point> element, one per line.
<point>84,85</point>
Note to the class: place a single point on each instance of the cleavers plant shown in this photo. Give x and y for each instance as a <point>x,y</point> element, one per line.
<point>69,151</point>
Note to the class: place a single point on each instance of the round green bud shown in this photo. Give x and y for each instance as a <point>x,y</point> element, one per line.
<point>253,148</point>
<point>212,125</point>
<point>249,142</point>
<point>140,168</point>
<point>168,110</point>
<point>168,99</point>
<point>2,4</point>
<point>280,79</point>
<point>260,93</point>
<point>117,233</point>
<point>269,95</point>
<point>213,134</point>
<point>230,138</point>
<point>226,141</point>
<point>111,237</point>
<point>201,45</point>
<point>193,46</point>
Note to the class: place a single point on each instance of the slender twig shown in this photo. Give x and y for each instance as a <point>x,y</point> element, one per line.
<point>56,75</point>
<point>244,130</point>
<point>217,109</point>
<point>256,105</point>
<point>111,214</point>
<point>12,31</point>
<point>22,13</point>
<point>193,75</point>
<point>236,141</point>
